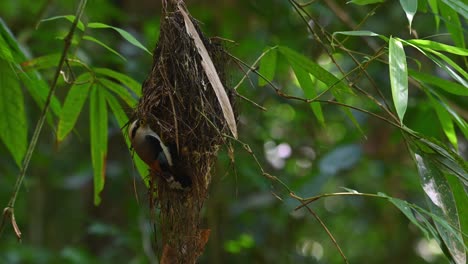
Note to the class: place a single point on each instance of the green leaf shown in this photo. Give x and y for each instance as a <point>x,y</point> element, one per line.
<point>313,68</point>
<point>398,77</point>
<point>98,130</point>
<point>39,90</point>
<point>133,85</point>
<point>453,24</point>
<point>104,46</point>
<point>5,52</point>
<point>410,7</point>
<point>120,90</point>
<point>435,9</point>
<point>122,120</point>
<point>70,18</point>
<point>421,222</point>
<point>118,112</point>
<point>446,65</point>
<point>43,62</point>
<point>410,212</point>
<point>32,80</point>
<point>267,66</point>
<point>461,199</point>
<point>433,45</point>
<point>449,160</point>
<point>364,2</point>
<point>122,32</point>
<point>309,90</point>
<point>450,62</point>
<point>459,6</point>
<point>336,85</point>
<point>445,120</point>
<point>362,33</point>
<point>448,86</point>
<point>446,158</point>
<point>359,33</point>
<point>442,204</point>
<point>13,125</point>
<point>449,70</point>
<point>444,62</point>
<point>73,105</point>
<point>458,120</point>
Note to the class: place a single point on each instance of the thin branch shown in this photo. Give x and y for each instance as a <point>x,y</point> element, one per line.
<point>8,212</point>
<point>298,9</point>
<point>264,173</point>
<point>307,3</point>
<point>315,215</point>
<point>253,66</point>
<point>315,99</point>
<point>306,201</point>
<point>250,101</point>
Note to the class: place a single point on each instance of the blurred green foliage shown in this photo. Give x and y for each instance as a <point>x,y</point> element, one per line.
<point>252,218</point>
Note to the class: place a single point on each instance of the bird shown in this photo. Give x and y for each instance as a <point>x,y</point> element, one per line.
<point>158,156</point>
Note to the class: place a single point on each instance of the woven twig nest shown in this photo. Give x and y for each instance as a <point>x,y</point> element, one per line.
<point>179,103</point>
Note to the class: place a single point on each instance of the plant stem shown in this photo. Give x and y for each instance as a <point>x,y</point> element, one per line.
<point>8,212</point>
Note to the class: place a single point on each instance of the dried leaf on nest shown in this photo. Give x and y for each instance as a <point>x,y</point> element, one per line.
<point>184,111</point>
<point>211,73</point>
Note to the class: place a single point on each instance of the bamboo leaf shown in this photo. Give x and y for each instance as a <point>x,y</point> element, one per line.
<point>461,198</point>
<point>441,203</point>
<point>453,24</point>
<point>448,159</point>
<point>445,157</point>
<point>410,7</point>
<point>463,79</point>
<point>448,86</point>
<point>308,87</point>
<point>313,68</point>
<point>32,80</point>
<point>43,62</point>
<point>120,90</point>
<point>89,38</point>
<point>70,18</point>
<point>362,33</point>
<point>73,105</point>
<point>410,210</point>
<point>39,90</point>
<point>461,123</point>
<point>412,213</point>
<point>127,36</point>
<point>336,85</point>
<point>398,77</point>
<point>445,120</point>
<point>13,125</point>
<point>133,85</point>
<point>435,9</point>
<point>459,6</point>
<point>5,52</point>
<point>122,120</point>
<point>267,66</point>
<point>359,33</point>
<point>98,134</point>
<point>364,2</point>
<point>433,45</point>
<point>445,63</point>
<point>211,73</point>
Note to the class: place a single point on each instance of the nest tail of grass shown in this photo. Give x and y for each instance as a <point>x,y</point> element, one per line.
<point>181,105</point>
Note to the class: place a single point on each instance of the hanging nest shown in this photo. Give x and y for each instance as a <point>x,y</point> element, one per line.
<point>180,104</point>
